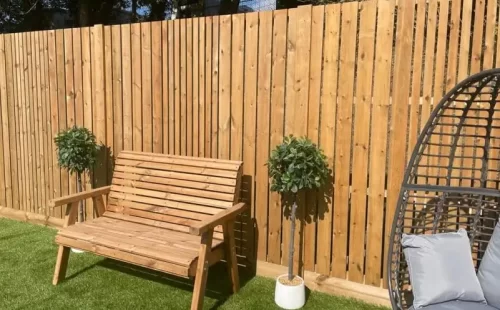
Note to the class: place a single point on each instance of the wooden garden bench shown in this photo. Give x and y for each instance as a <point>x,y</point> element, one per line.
<point>173,214</point>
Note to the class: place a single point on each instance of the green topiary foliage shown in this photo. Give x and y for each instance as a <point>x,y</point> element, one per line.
<point>76,149</point>
<point>297,164</point>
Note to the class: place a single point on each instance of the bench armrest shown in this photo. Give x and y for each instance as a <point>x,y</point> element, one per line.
<point>79,196</point>
<point>217,219</point>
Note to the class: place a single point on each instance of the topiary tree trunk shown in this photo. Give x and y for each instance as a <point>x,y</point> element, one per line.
<point>79,189</point>
<point>291,248</point>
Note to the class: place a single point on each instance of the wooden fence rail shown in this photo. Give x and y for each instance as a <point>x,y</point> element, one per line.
<point>360,79</point>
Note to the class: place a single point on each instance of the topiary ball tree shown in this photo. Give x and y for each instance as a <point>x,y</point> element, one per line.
<point>77,152</point>
<point>295,165</point>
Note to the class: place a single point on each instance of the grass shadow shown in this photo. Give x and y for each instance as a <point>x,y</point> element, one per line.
<point>218,283</point>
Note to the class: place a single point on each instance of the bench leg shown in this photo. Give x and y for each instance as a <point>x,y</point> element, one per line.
<point>230,254</point>
<point>61,264</point>
<point>200,281</point>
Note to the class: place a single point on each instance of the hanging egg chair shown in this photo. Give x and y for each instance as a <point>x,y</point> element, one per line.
<point>452,178</point>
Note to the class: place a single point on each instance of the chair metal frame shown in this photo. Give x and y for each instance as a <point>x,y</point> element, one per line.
<point>452,178</point>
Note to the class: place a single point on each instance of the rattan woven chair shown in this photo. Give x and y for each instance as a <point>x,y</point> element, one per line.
<point>452,179</point>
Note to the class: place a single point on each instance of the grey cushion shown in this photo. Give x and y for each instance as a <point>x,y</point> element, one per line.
<point>458,305</point>
<point>489,270</point>
<point>441,268</point>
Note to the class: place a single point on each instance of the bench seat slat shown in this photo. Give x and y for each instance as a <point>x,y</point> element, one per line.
<point>116,240</point>
<point>135,259</point>
<point>154,223</point>
<point>152,232</point>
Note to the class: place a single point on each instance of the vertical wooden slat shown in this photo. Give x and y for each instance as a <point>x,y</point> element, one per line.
<point>428,73</point>
<point>47,114</point>
<point>439,77</point>
<point>361,141</point>
<point>202,105</point>
<point>378,157</point>
<point>301,109</point>
<point>99,99</point>
<point>250,114</point>
<point>54,112</point>
<point>157,86</point>
<point>189,87</point>
<point>30,121</point>
<point>177,86</point>
<point>463,71</point>
<point>477,36</point>
<point>165,88</point>
<point>22,124</point>
<point>136,87</point>
<point>465,36</point>
<point>127,88</point>
<point>4,133</point>
<point>327,134</point>
<point>24,119</point>
<point>108,90</point>
<point>276,127</point>
<point>147,117</point>
<point>289,116</point>
<point>6,125</point>
<point>172,92</point>
<point>342,152</point>
<point>489,35</point>
<point>62,106</point>
<point>70,92</point>
<point>78,75</point>
<point>399,111</point>
<point>452,68</point>
<point>87,106</point>
<point>183,91</point>
<point>118,115</point>
<point>196,79</point>
<point>224,126</point>
<point>316,56</point>
<point>39,133</point>
<point>237,86</point>
<point>416,87</point>
<point>13,149</point>
<point>215,86</point>
<point>208,87</point>
<point>78,86</point>
<point>262,147</point>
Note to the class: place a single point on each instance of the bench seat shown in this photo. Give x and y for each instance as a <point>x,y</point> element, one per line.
<point>140,244</point>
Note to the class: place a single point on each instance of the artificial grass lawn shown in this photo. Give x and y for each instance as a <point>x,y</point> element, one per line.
<point>27,258</point>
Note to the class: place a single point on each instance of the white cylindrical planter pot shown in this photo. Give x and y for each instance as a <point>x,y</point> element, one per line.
<point>77,251</point>
<point>290,296</point>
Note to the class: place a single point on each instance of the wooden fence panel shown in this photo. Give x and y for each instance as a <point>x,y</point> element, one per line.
<point>345,75</point>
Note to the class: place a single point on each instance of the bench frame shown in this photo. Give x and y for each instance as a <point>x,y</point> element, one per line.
<point>205,229</point>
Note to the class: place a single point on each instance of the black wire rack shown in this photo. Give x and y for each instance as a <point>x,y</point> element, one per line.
<point>452,179</point>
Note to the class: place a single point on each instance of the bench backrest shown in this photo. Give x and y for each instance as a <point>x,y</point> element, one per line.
<point>173,192</point>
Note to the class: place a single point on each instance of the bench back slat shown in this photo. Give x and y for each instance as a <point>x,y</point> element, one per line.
<point>177,191</point>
